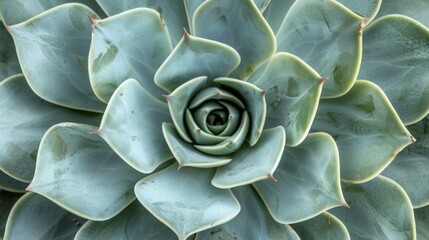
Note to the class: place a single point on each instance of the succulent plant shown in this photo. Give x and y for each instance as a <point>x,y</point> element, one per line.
<point>215,119</point>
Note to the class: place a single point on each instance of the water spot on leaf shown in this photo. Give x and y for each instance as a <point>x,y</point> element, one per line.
<point>104,59</point>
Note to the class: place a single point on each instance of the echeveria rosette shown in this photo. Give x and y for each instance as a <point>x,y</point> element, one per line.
<point>231,104</point>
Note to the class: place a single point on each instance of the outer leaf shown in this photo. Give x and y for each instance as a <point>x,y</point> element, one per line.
<point>293,92</point>
<point>135,51</point>
<point>18,11</point>
<point>421,216</point>
<point>366,128</point>
<point>379,209</point>
<point>253,222</point>
<point>218,20</point>
<point>185,200</point>
<point>251,164</point>
<point>365,8</point>
<point>134,222</point>
<point>25,118</point>
<point>308,181</point>
<point>323,226</point>
<point>11,184</point>
<point>172,11</point>
<point>254,100</point>
<point>196,57</point>
<point>327,36</point>
<point>79,172</point>
<point>7,200</point>
<point>56,69</point>
<point>410,167</point>
<point>131,126</point>
<point>35,217</point>
<point>395,58</point>
<point>9,64</point>
<point>262,4</point>
<point>417,10</point>
<point>186,154</point>
<point>276,12</point>
<point>190,7</point>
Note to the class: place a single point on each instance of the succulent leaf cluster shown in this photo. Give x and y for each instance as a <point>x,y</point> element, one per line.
<point>214,119</point>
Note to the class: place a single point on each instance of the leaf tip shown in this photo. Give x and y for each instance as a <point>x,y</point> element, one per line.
<point>185,33</point>
<point>271,177</point>
<point>166,97</point>
<point>96,132</point>
<point>362,25</point>
<point>323,79</point>
<point>413,139</point>
<point>181,165</point>
<point>345,204</point>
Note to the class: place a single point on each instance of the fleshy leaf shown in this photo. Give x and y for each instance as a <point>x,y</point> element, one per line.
<point>196,57</point>
<point>379,209</point>
<point>190,7</point>
<point>35,217</point>
<point>25,118</point>
<point>135,51</point>
<point>365,8</point>
<point>11,184</point>
<point>323,226</point>
<point>185,200</point>
<point>9,64</point>
<point>262,4</point>
<point>276,12</point>
<point>18,11</point>
<point>418,10</point>
<point>251,164</point>
<point>59,41</point>
<point>134,222</point>
<point>179,100</point>
<point>253,222</point>
<point>395,58</point>
<point>410,167</point>
<point>421,216</point>
<point>186,154</point>
<point>366,128</point>
<point>308,181</point>
<point>172,11</point>
<point>218,20</point>
<point>293,92</point>
<point>7,200</point>
<point>131,126</point>
<point>199,136</point>
<point>254,101</point>
<point>79,172</point>
<point>328,37</point>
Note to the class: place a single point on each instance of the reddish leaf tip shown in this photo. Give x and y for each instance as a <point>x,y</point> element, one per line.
<point>264,92</point>
<point>323,79</point>
<point>185,33</point>
<point>271,177</point>
<point>92,20</point>
<point>345,204</point>
<point>180,166</point>
<point>165,97</point>
<point>96,132</point>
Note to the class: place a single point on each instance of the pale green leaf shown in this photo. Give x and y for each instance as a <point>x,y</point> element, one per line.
<point>417,9</point>
<point>11,184</point>
<point>35,217</point>
<point>251,164</point>
<point>292,94</point>
<point>247,32</point>
<point>196,57</point>
<point>135,51</point>
<point>254,101</point>
<point>53,52</point>
<point>25,118</point>
<point>172,11</point>
<point>379,209</point>
<point>323,226</point>
<point>186,154</point>
<point>185,200</point>
<point>18,11</point>
<point>422,222</point>
<point>308,181</point>
<point>395,57</point>
<point>365,8</point>
<point>133,223</point>
<point>9,64</point>
<point>253,222</point>
<point>131,126</point>
<point>328,37</point>
<point>366,128</point>
<point>276,12</point>
<point>410,167</point>
<point>78,171</point>
<point>7,200</point>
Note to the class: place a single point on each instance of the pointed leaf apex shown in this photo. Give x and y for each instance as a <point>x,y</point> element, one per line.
<point>264,92</point>
<point>323,79</point>
<point>185,33</point>
<point>96,132</point>
<point>271,177</point>
<point>28,189</point>
<point>345,204</point>
<point>181,165</point>
<point>413,140</point>
<point>92,20</point>
<point>362,25</point>
<point>165,97</point>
